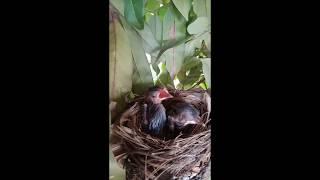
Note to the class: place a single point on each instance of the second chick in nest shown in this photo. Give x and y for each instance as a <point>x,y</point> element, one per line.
<point>180,114</point>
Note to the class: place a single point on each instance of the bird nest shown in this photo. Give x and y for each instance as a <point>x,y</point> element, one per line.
<point>186,156</point>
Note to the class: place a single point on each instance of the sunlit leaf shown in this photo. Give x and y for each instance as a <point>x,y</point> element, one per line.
<point>201,24</point>
<point>152,5</point>
<point>147,16</point>
<point>156,68</point>
<point>203,86</point>
<point>166,1</point>
<point>164,78</point>
<point>162,12</point>
<point>200,8</point>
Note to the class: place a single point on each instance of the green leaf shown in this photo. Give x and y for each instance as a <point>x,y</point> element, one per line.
<point>200,25</point>
<point>120,61</point>
<point>170,32</point>
<point>174,25</point>
<point>174,34</point>
<point>203,8</point>
<point>134,13</point>
<point>147,16</point>
<point>149,40</point>
<point>152,5</point>
<point>190,72</point>
<point>200,8</point>
<point>174,59</point>
<point>206,66</point>
<point>164,78</point>
<point>139,82</point>
<point>196,43</point>
<point>190,62</point>
<point>183,6</point>
<point>165,1</point>
<point>192,16</point>
<point>156,68</point>
<point>155,62</point>
<point>119,5</point>
<point>155,25</point>
<point>208,6</point>
<point>205,52</point>
<point>142,77</point>
<point>203,86</point>
<point>162,12</point>
<point>166,46</point>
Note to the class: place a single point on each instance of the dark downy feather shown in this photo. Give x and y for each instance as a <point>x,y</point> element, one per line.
<point>181,112</point>
<point>157,119</point>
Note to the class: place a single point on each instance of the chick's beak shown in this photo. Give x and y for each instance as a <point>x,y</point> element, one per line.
<point>164,94</point>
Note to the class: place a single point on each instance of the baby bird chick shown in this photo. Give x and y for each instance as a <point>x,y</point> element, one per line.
<point>154,117</point>
<point>180,114</point>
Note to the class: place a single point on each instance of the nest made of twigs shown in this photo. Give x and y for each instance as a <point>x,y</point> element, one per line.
<point>147,157</point>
